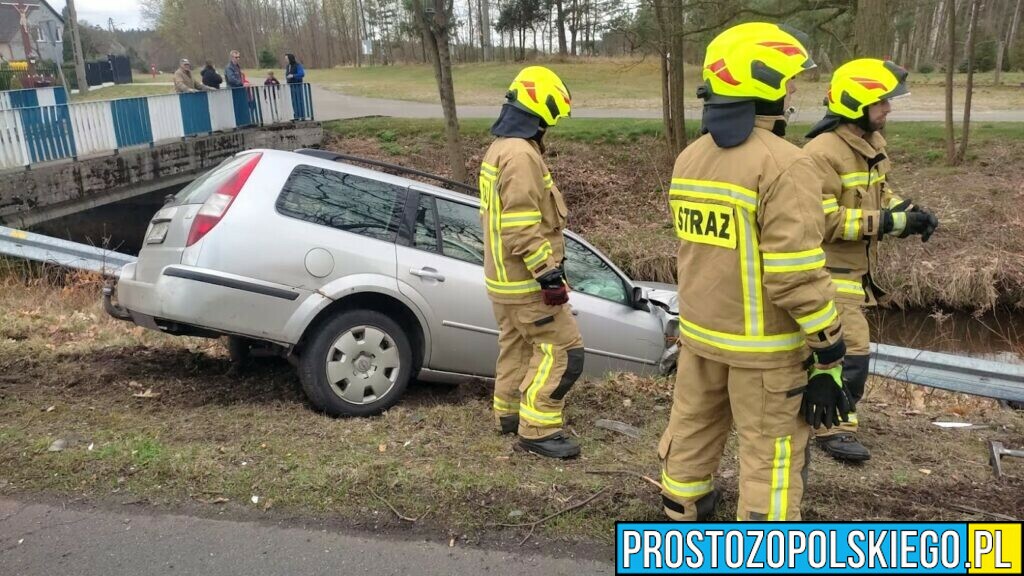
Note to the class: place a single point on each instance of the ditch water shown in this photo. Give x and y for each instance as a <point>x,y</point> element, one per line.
<point>996,335</point>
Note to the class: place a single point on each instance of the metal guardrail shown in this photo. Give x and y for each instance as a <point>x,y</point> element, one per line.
<point>979,377</point>
<point>30,246</point>
<point>999,380</point>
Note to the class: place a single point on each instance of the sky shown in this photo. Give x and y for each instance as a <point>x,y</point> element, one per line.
<point>126,13</point>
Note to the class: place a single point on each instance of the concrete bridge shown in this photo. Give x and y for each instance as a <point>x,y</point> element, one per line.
<point>62,159</point>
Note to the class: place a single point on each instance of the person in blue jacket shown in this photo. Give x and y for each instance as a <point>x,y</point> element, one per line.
<point>294,73</point>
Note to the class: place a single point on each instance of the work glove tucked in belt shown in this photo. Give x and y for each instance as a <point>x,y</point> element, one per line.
<point>553,288</point>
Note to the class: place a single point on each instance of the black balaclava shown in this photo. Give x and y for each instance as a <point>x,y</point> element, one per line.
<point>514,122</point>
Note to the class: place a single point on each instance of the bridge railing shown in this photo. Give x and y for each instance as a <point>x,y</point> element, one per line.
<point>34,134</point>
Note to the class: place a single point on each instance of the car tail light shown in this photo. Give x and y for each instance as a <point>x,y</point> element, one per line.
<point>217,205</point>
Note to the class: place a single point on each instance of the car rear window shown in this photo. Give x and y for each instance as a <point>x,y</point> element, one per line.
<point>203,187</point>
<point>343,201</point>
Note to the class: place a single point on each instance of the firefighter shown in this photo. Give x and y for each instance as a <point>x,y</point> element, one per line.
<point>861,208</point>
<point>761,337</point>
<point>541,351</point>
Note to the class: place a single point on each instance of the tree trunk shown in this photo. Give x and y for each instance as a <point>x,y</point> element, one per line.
<point>1012,36</point>
<point>677,87</point>
<point>872,29</point>
<point>435,37</point>
<point>971,42</point>
<point>950,69</point>
<point>1000,48</point>
<point>563,49</point>
<point>485,30</point>
<point>83,84</point>
<point>575,26</point>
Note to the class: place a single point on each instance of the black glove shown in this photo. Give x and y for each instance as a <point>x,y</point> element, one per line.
<point>553,287</point>
<point>825,401</point>
<point>922,223</point>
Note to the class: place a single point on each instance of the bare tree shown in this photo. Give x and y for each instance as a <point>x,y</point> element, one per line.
<point>436,22</point>
<point>971,42</point>
<point>950,69</point>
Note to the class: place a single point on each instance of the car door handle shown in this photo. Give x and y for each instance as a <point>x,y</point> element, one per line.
<point>428,273</point>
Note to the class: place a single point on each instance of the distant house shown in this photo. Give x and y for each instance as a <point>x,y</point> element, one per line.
<point>45,27</point>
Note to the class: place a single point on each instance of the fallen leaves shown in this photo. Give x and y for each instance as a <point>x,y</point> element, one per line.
<point>147,394</point>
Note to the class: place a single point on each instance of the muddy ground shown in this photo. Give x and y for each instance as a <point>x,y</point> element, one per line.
<point>167,422</point>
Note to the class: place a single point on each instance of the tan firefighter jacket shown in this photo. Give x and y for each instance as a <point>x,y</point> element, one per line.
<point>853,170</point>
<point>523,215</point>
<point>753,290</point>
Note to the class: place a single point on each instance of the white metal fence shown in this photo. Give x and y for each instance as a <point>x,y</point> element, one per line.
<point>32,132</point>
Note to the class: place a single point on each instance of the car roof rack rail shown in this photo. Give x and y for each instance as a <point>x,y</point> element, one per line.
<point>338,156</point>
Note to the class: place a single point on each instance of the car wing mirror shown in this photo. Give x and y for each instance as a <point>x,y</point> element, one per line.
<point>637,300</point>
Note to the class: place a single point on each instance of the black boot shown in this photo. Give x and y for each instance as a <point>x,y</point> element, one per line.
<point>554,446</point>
<point>509,423</point>
<point>844,447</point>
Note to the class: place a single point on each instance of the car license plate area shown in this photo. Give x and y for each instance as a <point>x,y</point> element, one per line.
<point>158,233</point>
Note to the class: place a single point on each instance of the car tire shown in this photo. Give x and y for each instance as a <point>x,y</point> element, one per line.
<point>358,363</point>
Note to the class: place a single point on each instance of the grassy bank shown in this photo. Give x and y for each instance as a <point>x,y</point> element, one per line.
<point>122,91</point>
<point>166,421</point>
<point>614,174</point>
<point>623,83</point>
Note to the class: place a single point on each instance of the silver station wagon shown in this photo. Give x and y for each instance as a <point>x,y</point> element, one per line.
<point>362,278</point>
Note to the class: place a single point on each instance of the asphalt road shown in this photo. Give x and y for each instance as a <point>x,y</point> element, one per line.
<point>45,539</point>
<point>331,105</point>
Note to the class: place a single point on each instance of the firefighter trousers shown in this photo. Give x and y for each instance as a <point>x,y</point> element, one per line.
<point>540,357</point>
<point>855,366</point>
<point>709,398</point>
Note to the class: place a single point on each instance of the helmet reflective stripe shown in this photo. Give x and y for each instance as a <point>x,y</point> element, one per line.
<point>753,61</point>
<point>863,82</point>
<point>540,92</point>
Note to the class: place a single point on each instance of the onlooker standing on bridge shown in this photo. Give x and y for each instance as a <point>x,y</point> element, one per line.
<point>271,80</point>
<point>233,72</point>
<point>210,76</point>
<point>294,73</point>
<point>183,81</point>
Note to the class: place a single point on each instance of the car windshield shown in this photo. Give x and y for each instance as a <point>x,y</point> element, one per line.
<point>589,274</point>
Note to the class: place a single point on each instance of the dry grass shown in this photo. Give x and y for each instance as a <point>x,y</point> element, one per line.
<point>614,173</point>
<point>210,434</point>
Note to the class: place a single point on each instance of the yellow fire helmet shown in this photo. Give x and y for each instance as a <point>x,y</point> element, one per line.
<point>753,61</point>
<point>861,83</point>
<point>540,92</point>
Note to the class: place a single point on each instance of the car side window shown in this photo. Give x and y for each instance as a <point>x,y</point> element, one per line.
<point>342,201</point>
<point>589,274</point>
<point>425,232</point>
<point>461,235</point>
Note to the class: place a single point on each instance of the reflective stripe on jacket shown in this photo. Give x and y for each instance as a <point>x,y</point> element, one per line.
<point>854,190</point>
<point>753,290</point>
<point>523,215</point>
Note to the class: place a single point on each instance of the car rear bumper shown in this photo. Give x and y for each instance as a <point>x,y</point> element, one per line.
<point>190,300</point>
